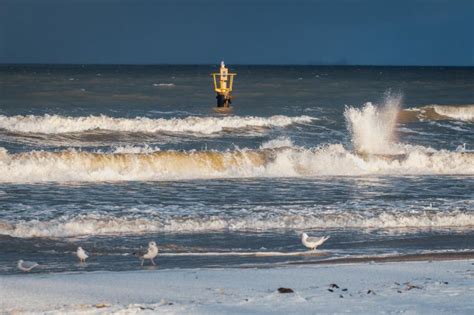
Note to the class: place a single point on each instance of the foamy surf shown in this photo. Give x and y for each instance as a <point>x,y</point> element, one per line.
<point>373,127</point>
<point>375,152</point>
<point>56,124</point>
<point>330,160</point>
<point>243,254</point>
<point>96,224</point>
<point>438,112</point>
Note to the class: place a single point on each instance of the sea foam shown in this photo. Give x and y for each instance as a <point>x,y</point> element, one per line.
<point>465,112</point>
<point>328,160</point>
<point>56,124</point>
<point>376,152</point>
<point>438,112</point>
<point>102,224</point>
<point>373,127</point>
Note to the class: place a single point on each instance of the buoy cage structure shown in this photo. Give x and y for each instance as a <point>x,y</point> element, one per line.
<point>223,84</point>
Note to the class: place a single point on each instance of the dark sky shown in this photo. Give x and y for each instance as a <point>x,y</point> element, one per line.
<point>364,32</point>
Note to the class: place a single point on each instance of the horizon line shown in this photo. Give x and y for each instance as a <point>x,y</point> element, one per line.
<point>237,64</point>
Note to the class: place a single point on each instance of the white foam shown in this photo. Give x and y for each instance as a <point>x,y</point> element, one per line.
<point>96,224</point>
<point>330,160</point>
<point>135,149</point>
<point>463,149</point>
<point>443,112</point>
<point>164,84</point>
<point>372,127</point>
<point>277,143</point>
<point>465,113</point>
<point>56,124</point>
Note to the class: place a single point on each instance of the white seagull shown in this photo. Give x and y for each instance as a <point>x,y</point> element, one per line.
<point>312,242</point>
<point>81,254</point>
<point>151,253</point>
<point>26,266</point>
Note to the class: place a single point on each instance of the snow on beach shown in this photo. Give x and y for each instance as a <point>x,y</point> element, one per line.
<point>438,287</point>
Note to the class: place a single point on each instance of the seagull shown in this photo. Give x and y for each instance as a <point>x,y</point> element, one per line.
<point>151,253</point>
<point>26,266</point>
<point>312,242</point>
<point>81,254</point>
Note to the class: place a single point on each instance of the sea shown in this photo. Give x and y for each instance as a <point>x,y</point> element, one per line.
<point>110,157</point>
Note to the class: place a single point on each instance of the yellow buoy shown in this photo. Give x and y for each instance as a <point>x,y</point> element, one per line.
<point>223,83</point>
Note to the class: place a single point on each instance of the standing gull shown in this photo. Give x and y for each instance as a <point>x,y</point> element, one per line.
<point>26,266</point>
<point>312,242</point>
<point>151,253</point>
<point>81,254</point>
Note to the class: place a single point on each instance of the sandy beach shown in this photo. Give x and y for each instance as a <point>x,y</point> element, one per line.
<point>413,287</point>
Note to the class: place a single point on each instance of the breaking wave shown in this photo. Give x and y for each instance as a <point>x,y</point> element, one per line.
<point>55,124</point>
<point>376,152</point>
<point>96,224</point>
<point>373,127</point>
<point>438,112</point>
<point>329,160</point>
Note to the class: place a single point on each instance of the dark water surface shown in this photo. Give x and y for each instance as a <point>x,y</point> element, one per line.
<point>111,157</point>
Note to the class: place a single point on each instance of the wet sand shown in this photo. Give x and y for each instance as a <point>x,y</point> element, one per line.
<point>445,256</point>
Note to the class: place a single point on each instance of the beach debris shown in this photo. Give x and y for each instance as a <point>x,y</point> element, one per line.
<point>312,242</point>
<point>285,290</point>
<point>150,254</point>
<point>81,254</point>
<point>26,266</point>
<point>409,286</point>
<point>101,305</point>
<point>143,308</point>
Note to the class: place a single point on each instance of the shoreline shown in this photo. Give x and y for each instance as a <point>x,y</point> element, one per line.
<point>442,256</point>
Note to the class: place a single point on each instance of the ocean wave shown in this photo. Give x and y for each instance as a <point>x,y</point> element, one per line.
<point>438,112</point>
<point>373,127</point>
<point>56,124</point>
<point>100,224</point>
<point>277,143</point>
<point>328,160</point>
<point>135,149</point>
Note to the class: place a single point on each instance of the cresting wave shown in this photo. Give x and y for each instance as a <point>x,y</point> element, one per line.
<point>372,127</point>
<point>95,224</point>
<point>329,160</point>
<point>438,112</point>
<point>55,124</point>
